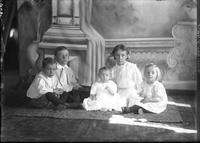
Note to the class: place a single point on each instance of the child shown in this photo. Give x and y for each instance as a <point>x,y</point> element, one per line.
<point>66,77</point>
<point>45,86</point>
<point>126,75</point>
<point>154,97</point>
<point>103,94</point>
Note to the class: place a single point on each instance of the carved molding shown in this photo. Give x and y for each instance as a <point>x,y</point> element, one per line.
<point>158,45</point>
<point>182,58</point>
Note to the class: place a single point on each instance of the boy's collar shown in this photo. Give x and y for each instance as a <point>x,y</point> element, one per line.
<point>59,66</point>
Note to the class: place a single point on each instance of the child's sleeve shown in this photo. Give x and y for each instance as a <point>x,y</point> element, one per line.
<point>72,76</point>
<point>93,89</point>
<point>160,92</point>
<point>41,87</point>
<point>141,89</point>
<point>138,78</point>
<point>113,86</point>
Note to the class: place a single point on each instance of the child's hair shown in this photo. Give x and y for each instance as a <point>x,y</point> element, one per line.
<point>159,75</point>
<point>60,48</point>
<point>47,61</point>
<point>102,69</point>
<point>120,47</point>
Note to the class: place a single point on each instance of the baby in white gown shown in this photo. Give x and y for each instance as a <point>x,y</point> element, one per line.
<point>103,94</point>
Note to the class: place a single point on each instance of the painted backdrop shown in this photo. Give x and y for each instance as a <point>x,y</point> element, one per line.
<point>137,18</point>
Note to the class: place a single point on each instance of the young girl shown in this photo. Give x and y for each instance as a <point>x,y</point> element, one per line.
<point>153,94</point>
<point>45,87</point>
<point>103,94</point>
<point>126,75</point>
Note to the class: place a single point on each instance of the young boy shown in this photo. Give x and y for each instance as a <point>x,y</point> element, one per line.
<point>45,87</point>
<point>67,78</point>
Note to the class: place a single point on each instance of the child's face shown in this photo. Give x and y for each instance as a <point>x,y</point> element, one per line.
<point>105,75</point>
<point>150,75</point>
<point>50,70</point>
<point>62,57</point>
<point>121,57</point>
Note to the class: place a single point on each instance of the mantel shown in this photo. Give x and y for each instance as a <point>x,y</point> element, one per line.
<point>51,46</point>
<point>143,44</point>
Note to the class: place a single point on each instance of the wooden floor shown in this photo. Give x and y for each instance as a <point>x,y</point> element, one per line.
<point>48,129</point>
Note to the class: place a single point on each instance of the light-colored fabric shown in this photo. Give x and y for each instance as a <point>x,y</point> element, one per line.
<point>96,44</point>
<point>66,77</point>
<point>42,85</point>
<point>128,79</point>
<point>103,98</point>
<point>156,90</point>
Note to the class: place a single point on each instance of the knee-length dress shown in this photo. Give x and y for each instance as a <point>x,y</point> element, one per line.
<point>155,90</point>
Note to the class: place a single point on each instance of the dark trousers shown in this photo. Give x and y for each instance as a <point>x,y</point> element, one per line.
<point>71,97</point>
<point>54,99</point>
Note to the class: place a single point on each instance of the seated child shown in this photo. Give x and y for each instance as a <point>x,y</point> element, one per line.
<point>153,93</point>
<point>125,74</point>
<point>45,87</point>
<point>67,78</point>
<point>103,94</point>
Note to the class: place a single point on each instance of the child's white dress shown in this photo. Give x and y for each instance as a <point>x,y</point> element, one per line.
<point>128,79</point>
<point>156,90</point>
<point>103,98</point>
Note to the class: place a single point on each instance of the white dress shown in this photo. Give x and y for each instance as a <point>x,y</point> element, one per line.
<point>103,98</point>
<point>154,90</point>
<point>128,79</point>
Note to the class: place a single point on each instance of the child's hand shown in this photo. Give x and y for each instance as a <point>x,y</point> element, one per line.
<point>145,100</point>
<point>77,86</point>
<point>58,91</point>
<point>109,90</point>
<point>93,97</point>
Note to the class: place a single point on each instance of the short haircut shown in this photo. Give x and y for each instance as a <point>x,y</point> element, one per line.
<point>102,69</point>
<point>47,61</point>
<point>60,48</point>
<point>159,75</point>
<point>119,47</point>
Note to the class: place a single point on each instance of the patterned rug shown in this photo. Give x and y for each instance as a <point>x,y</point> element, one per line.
<point>170,115</point>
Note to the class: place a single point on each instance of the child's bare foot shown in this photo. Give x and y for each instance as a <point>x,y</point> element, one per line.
<point>140,111</point>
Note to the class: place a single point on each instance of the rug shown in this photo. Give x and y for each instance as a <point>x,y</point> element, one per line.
<point>170,115</point>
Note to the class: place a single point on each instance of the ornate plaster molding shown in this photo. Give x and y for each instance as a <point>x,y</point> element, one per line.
<point>158,45</point>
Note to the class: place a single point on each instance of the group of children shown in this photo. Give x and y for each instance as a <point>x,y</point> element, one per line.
<point>121,87</point>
